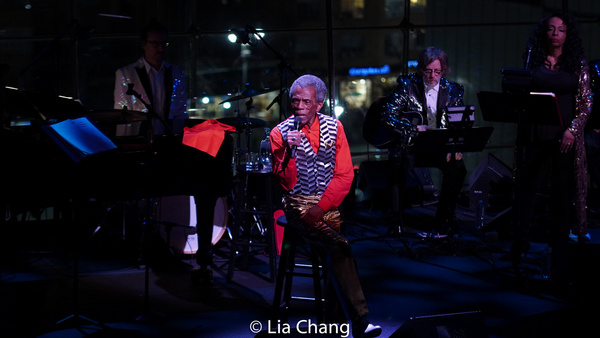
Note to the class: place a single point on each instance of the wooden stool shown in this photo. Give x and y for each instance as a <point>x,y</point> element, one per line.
<point>288,269</point>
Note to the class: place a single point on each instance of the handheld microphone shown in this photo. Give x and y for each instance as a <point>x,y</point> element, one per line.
<point>297,122</point>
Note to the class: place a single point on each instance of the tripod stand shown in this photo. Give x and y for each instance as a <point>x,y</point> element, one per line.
<point>76,316</point>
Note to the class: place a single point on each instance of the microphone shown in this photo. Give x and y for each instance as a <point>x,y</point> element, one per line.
<point>297,121</point>
<point>130,90</point>
<point>529,48</point>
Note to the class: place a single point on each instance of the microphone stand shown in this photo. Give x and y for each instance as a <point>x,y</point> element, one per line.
<point>149,207</point>
<point>283,67</point>
<point>151,113</point>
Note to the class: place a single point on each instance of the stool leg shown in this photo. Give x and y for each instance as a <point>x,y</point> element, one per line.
<point>284,278</point>
<point>289,275</point>
<point>281,279</point>
<point>316,271</point>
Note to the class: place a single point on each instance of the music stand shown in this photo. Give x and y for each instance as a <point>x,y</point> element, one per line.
<point>521,108</point>
<point>78,138</point>
<point>460,116</point>
<point>525,109</point>
<point>432,143</point>
<point>464,140</point>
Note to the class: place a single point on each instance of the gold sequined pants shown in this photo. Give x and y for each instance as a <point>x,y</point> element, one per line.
<point>335,250</point>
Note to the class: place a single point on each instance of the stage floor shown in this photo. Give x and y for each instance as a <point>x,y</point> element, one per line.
<point>402,277</point>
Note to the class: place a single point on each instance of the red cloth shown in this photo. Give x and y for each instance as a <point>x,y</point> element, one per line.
<point>206,136</point>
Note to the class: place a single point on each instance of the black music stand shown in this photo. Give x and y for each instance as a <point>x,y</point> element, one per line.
<point>525,109</point>
<point>463,140</point>
<point>432,143</point>
<point>79,139</point>
<point>521,108</point>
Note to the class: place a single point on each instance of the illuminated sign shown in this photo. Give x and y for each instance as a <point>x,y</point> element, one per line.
<point>376,71</point>
<point>369,71</point>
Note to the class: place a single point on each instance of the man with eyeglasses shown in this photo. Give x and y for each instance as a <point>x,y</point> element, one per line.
<point>161,86</point>
<point>426,92</point>
<point>159,89</point>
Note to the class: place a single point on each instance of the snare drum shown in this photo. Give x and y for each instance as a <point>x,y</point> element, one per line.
<point>176,219</point>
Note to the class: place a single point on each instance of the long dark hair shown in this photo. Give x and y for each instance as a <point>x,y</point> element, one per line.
<point>572,52</point>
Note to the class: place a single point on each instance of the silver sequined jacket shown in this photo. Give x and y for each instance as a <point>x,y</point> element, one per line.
<point>409,95</point>
<point>175,89</point>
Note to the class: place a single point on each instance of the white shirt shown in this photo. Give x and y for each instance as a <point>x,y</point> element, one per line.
<point>431,95</point>
<point>157,82</point>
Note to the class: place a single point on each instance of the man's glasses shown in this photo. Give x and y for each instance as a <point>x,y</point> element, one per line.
<point>433,71</point>
<point>158,43</point>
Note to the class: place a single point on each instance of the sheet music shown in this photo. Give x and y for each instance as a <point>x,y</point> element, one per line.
<point>543,93</point>
<point>80,138</point>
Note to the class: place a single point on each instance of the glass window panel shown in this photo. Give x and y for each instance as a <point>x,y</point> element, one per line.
<point>394,9</point>
<point>369,50</point>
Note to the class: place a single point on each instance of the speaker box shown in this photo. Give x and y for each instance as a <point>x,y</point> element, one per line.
<point>462,324</point>
<point>491,182</point>
<point>375,183</point>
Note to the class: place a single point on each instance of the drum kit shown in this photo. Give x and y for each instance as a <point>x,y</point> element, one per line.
<point>176,219</point>
<point>245,159</point>
<point>175,216</point>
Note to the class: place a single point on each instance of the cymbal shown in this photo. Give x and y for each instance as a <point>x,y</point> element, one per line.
<point>241,122</point>
<point>117,115</point>
<point>246,94</point>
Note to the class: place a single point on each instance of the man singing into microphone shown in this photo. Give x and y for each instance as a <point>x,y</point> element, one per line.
<point>311,159</point>
<point>159,84</point>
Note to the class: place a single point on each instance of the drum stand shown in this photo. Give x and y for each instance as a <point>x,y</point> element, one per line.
<point>250,216</point>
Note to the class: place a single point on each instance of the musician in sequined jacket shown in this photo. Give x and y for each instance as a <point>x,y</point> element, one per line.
<point>428,93</point>
<point>161,86</point>
<point>409,95</point>
<point>558,66</point>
